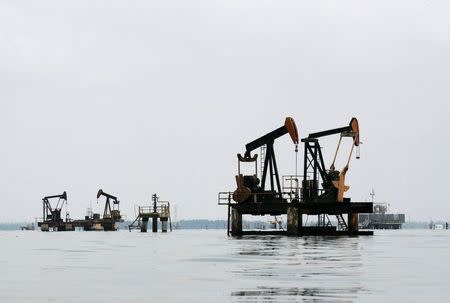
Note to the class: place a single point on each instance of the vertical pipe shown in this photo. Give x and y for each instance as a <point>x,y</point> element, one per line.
<point>155,224</point>
<point>228,218</point>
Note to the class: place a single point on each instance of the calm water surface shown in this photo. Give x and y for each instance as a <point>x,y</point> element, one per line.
<point>207,266</point>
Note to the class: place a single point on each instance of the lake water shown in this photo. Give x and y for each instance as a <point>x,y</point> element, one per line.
<point>207,266</point>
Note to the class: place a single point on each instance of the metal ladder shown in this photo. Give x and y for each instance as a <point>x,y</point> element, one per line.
<point>341,222</point>
<point>262,159</point>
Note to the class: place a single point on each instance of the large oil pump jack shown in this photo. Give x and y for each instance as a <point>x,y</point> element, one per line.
<point>51,216</point>
<point>329,198</point>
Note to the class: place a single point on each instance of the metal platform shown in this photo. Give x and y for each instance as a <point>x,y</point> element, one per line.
<point>277,208</point>
<point>296,211</point>
<point>159,209</point>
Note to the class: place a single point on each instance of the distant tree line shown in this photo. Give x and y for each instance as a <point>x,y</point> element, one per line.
<point>218,224</point>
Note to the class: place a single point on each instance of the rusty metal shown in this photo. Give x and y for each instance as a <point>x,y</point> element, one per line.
<point>318,192</point>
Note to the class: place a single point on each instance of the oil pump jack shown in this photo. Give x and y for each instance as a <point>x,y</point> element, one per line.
<point>333,181</point>
<point>111,215</point>
<point>254,196</point>
<point>51,216</point>
<point>329,199</point>
<point>254,199</point>
<point>248,189</point>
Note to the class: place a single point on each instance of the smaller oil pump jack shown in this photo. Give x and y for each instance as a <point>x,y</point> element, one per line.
<point>51,216</point>
<point>111,214</point>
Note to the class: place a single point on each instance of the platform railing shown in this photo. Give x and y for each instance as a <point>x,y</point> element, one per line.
<point>292,190</point>
<point>162,208</point>
<point>292,185</point>
<point>226,198</point>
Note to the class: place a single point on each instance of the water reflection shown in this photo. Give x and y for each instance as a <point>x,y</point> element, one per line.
<point>305,294</point>
<point>309,269</point>
<point>260,246</point>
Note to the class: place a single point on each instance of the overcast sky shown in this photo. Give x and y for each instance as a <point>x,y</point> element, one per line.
<point>143,97</point>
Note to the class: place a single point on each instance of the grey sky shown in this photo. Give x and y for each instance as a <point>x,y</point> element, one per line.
<point>138,97</point>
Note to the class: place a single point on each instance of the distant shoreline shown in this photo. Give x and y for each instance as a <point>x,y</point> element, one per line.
<point>216,224</point>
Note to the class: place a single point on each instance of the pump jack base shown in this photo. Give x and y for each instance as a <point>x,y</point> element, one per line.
<point>307,231</point>
<point>295,211</point>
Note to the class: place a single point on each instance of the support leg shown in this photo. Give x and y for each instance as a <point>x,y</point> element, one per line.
<point>352,222</point>
<point>236,222</point>
<point>292,221</point>
<point>155,225</point>
<point>144,225</point>
<point>164,225</point>
<point>300,224</point>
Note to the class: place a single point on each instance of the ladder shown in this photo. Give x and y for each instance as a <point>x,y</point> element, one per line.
<point>341,222</point>
<point>262,159</point>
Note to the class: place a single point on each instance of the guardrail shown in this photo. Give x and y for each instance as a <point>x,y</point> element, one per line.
<point>226,198</point>
<point>162,208</point>
<point>292,190</point>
